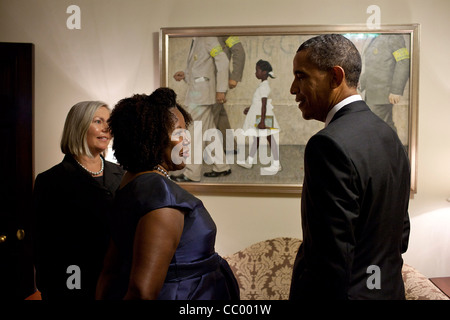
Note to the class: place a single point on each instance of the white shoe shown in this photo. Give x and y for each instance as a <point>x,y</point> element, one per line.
<point>273,169</point>
<point>246,165</point>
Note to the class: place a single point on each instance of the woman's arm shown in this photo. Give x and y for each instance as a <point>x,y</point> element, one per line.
<point>109,273</point>
<point>155,242</point>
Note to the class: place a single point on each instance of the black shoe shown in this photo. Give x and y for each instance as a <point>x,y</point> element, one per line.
<point>214,174</point>
<point>181,178</point>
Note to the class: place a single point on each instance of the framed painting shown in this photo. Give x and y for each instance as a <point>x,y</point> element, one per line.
<point>278,45</point>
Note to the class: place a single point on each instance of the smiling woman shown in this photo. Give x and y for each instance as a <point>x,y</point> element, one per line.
<point>75,196</point>
<point>162,237</point>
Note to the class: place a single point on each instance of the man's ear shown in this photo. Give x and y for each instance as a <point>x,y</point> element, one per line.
<point>338,76</point>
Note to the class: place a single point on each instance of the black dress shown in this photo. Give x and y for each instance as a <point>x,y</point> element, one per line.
<point>196,271</point>
<point>71,228</point>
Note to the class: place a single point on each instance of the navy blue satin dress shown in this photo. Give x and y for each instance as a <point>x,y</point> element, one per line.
<point>196,271</point>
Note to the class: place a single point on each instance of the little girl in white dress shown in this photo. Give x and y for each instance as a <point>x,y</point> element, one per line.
<point>261,120</point>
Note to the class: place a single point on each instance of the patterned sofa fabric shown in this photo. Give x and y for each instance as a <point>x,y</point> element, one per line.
<point>264,269</point>
<point>418,287</point>
<point>264,272</point>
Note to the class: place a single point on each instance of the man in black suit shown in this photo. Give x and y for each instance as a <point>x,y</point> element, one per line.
<point>356,187</point>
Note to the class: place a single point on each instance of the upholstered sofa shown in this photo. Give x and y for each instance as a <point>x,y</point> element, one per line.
<point>264,271</point>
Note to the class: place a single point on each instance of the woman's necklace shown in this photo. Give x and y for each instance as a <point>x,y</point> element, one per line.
<point>92,173</point>
<point>164,172</point>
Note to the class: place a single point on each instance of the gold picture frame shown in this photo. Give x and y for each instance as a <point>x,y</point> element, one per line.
<point>278,44</point>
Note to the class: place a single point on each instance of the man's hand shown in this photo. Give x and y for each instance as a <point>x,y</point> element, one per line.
<point>232,84</point>
<point>179,75</point>
<point>394,98</point>
<point>220,97</point>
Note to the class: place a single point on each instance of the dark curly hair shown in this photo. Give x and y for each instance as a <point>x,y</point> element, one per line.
<point>141,127</point>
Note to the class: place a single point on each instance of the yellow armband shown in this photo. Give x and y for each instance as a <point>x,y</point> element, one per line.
<point>401,54</point>
<point>231,41</point>
<point>215,51</point>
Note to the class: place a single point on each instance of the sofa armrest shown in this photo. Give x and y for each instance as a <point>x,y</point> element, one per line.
<point>418,287</point>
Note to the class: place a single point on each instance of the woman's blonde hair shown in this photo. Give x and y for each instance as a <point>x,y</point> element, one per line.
<point>78,120</point>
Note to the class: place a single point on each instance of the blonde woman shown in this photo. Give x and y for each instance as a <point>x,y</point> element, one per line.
<point>71,201</point>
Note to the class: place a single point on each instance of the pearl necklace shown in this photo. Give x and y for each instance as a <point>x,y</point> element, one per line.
<point>164,172</point>
<point>92,173</point>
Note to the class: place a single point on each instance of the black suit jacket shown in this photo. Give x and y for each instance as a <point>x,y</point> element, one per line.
<point>354,210</point>
<point>71,227</point>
